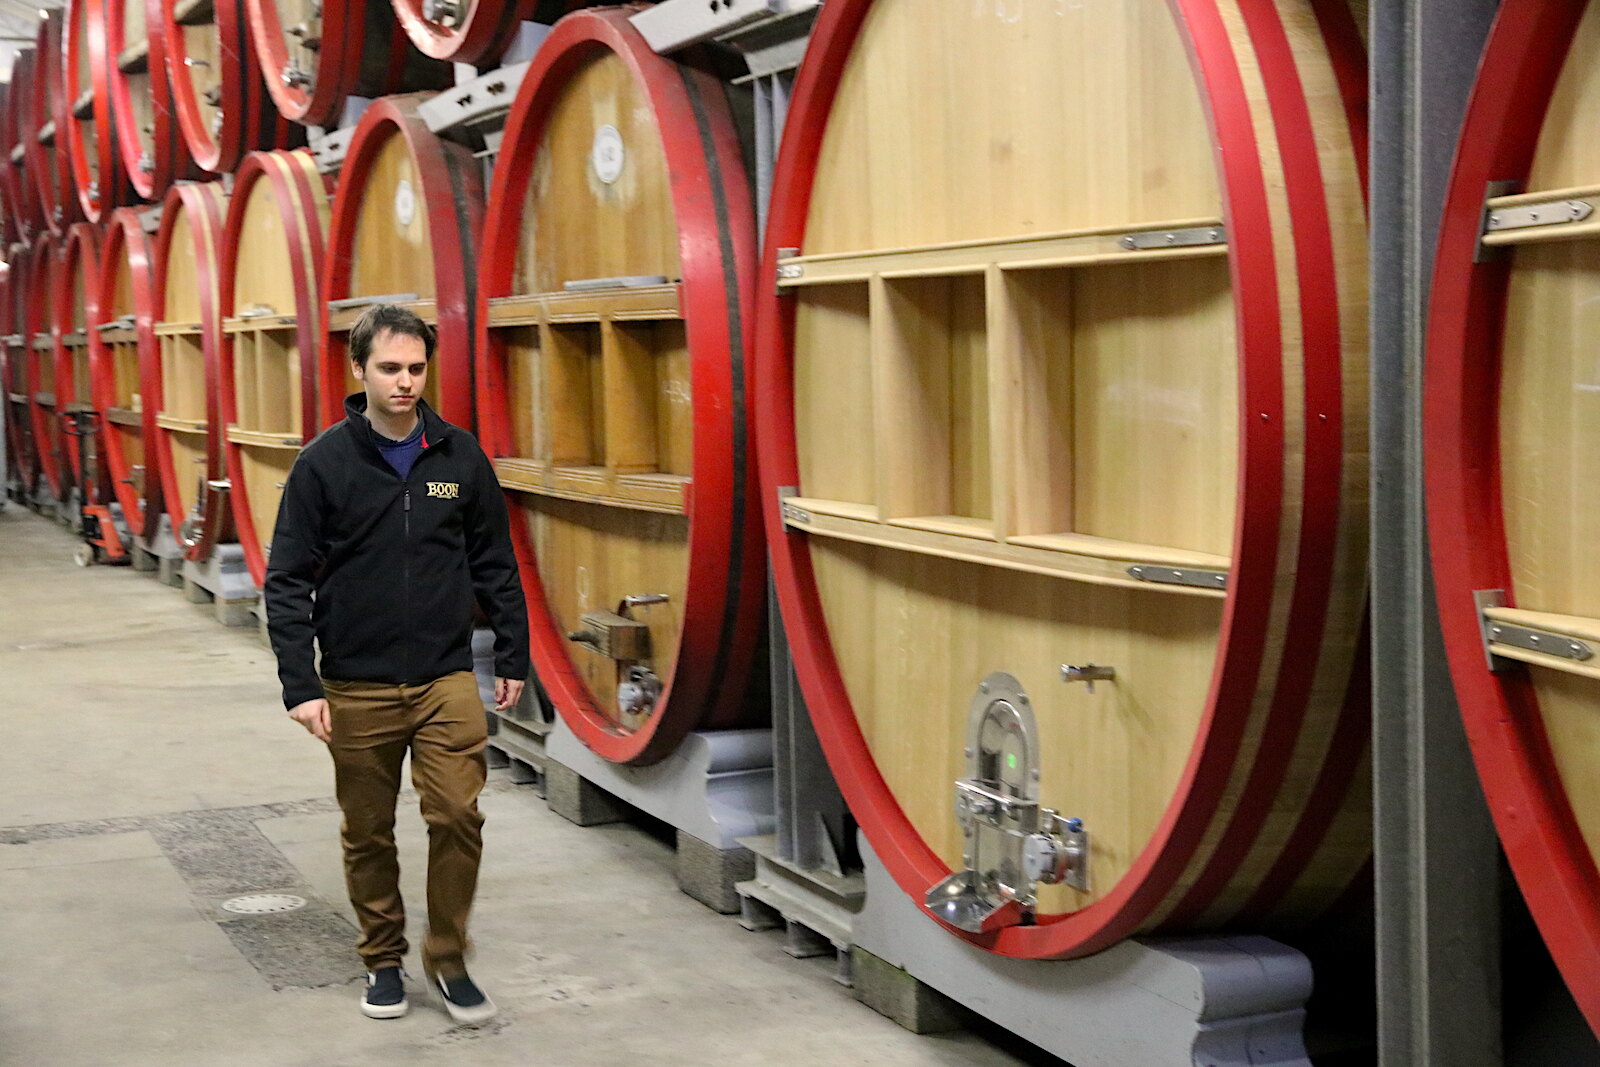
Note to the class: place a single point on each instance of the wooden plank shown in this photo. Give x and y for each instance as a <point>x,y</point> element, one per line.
<point>124,416</point>
<point>1081,248</point>
<point>663,493</point>
<point>340,319</point>
<point>1084,559</point>
<point>181,425</point>
<point>262,439</point>
<point>634,304</point>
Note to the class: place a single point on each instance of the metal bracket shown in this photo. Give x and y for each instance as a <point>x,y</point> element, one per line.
<point>1548,213</point>
<point>1532,639</point>
<point>787,271</point>
<point>124,322</point>
<point>482,101</point>
<point>1012,843</point>
<point>626,281</point>
<point>1205,579</point>
<point>676,24</point>
<point>366,301</point>
<point>1145,240</point>
<point>330,149</point>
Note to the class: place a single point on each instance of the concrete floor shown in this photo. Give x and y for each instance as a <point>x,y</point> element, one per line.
<point>149,773</point>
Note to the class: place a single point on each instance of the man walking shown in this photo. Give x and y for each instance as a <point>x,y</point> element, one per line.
<point>392,524</point>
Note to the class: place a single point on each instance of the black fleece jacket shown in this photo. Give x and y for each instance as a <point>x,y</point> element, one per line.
<point>394,565</point>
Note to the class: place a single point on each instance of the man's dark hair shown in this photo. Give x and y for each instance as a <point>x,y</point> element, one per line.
<point>387,318</point>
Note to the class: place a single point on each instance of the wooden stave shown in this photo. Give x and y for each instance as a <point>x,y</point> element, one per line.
<point>48,166</point>
<point>377,59</point>
<point>18,423</point>
<point>726,607</point>
<point>910,860</point>
<point>303,199</point>
<point>250,119</point>
<point>128,246</point>
<point>104,185</point>
<point>169,156</point>
<point>205,204</point>
<point>80,261</point>
<point>452,192</point>
<point>1533,814</point>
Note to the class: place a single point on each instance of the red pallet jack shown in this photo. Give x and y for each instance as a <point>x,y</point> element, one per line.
<point>102,540</point>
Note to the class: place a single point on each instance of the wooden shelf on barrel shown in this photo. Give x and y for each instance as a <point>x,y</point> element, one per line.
<point>343,314</point>
<point>610,361</point>
<point>981,372</point>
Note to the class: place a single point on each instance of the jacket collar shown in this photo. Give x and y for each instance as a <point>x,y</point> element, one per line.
<point>434,429</point>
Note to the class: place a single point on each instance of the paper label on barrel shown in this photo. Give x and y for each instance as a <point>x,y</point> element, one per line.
<point>607,154</point>
<point>405,203</point>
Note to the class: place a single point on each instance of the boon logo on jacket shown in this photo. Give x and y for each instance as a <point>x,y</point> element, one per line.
<point>445,490</point>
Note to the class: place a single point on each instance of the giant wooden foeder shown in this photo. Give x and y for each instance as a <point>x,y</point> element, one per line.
<point>1062,403</point>
<point>271,265</point>
<point>404,231</point>
<point>187,447</point>
<point>125,364</point>
<point>37,326</point>
<point>618,252</point>
<point>147,131</point>
<point>70,295</point>
<point>1512,426</point>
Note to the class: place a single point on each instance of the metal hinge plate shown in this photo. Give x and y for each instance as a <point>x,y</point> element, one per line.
<point>1548,213</point>
<point>1145,240</point>
<point>1204,579</point>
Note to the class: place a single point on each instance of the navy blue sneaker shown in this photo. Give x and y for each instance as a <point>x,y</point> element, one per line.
<point>385,997</point>
<point>466,1003</point>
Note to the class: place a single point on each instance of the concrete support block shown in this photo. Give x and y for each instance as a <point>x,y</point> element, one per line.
<point>193,591</point>
<point>710,874</point>
<point>578,800</point>
<point>497,758</point>
<point>169,571</point>
<point>894,994</point>
<point>144,562</point>
<point>235,612</point>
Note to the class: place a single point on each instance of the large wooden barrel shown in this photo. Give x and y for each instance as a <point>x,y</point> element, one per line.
<point>188,439</point>
<point>85,131</point>
<point>1062,420</point>
<point>223,107</point>
<point>50,168</point>
<point>18,124</point>
<point>38,322</point>
<point>618,258</point>
<point>19,423</point>
<point>12,223</point>
<point>405,228</point>
<point>272,255</point>
<point>125,360</point>
<point>1511,421</point>
<point>148,138</point>
<point>74,281</point>
<point>316,54</point>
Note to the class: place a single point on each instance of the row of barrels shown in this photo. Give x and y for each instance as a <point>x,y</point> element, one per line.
<point>118,99</point>
<point>1030,412</point>
<point>1047,391</point>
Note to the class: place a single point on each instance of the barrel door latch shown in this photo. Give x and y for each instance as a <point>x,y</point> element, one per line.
<point>1012,844</point>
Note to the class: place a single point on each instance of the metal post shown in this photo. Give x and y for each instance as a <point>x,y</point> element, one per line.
<point>1436,855</point>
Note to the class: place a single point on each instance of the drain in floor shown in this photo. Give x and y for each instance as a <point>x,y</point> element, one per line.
<point>264,903</point>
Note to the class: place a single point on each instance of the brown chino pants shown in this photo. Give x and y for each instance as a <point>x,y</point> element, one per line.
<point>442,724</point>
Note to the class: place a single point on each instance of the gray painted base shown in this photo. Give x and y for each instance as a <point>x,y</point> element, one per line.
<point>1173,1002</point>
<point>160,555</point>
<point>715,789</point>
<point>816,908</point>
<point>223,580</point>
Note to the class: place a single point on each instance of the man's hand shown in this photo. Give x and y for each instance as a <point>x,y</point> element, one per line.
<point>313,715</point>
<point>507,691</point>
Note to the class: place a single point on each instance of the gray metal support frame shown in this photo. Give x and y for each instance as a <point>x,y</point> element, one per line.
<point>1172,1002</point>
<point>1435,850</point>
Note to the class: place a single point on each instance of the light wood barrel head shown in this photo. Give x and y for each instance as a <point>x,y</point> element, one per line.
<point>611,396</point>
<point>1027,402</point>
<point>125,366</point>
<point>151,144</point>
<point>272,255</point>
<point>188,328</point>
<point>405,225</point>
<point>1512,398</point>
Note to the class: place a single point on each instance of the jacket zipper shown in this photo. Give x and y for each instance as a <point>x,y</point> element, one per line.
<point>406,513</point>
